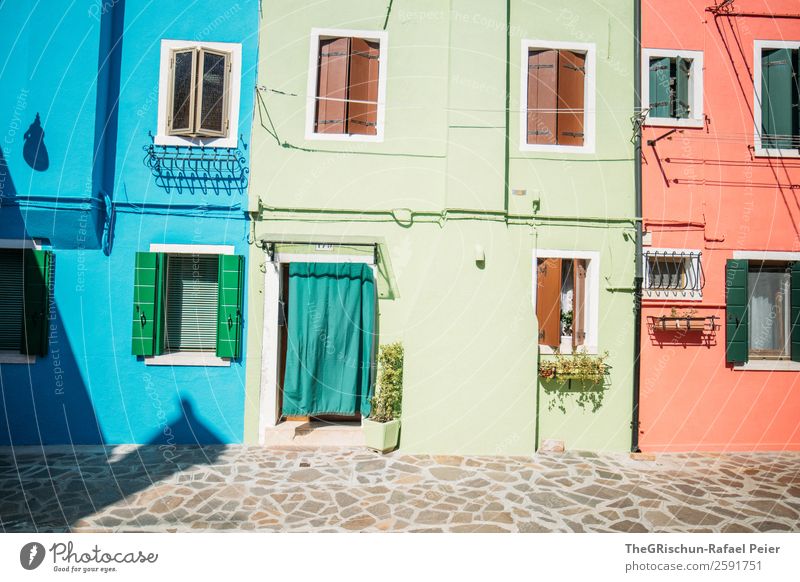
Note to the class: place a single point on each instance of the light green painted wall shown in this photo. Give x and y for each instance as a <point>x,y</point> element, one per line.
<point>470,333</point>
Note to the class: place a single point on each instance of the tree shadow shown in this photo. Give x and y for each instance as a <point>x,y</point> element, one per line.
<point>51,490</point>
<point>34,151</point>
<point>583,393</point>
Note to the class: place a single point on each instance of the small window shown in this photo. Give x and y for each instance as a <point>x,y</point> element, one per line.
<point>187,303</point>
<point>347,85</point>
<point>561,303</point>
<point>190,314</point>
<point>556,97</point>
<point>779,98</point>
<point>199,93</point>
<point>672,92</point>
<point>675,274</point>
<point>25,279</point>
<point>762,311</point>
<point>769,308</point>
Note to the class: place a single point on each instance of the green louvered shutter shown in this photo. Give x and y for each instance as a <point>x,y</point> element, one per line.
<point>191,303</point>
<point>736,312</point>
<point>37,273</point>
<point>660,87</point>
<point>148,292</point>
<point>795,311</point>
<point>683,69</point>
<point>11,300</point>
<point>231,288</point>
<point>778,98</point>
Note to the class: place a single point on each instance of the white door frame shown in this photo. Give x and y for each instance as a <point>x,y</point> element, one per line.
<point>269,415</point>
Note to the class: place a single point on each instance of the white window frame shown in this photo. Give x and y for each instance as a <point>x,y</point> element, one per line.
<point>234,96</point>
<point>697,117</point>
<point>671,295</point>
<point>189,358</point>
<point>318,34</point>
<point>592,308</point>
<point>8,356</point>
<point>767,365</point>
<point>758,47</point>
<point>589,97</point>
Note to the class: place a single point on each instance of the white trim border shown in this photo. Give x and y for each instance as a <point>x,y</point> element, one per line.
<point>232,139</point>
<point>382,37</point>
<point>697,119</point>
<point>589,102</point>
<point>592,293</point>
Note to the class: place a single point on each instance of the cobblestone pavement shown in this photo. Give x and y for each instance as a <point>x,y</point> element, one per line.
<point>250,488</point>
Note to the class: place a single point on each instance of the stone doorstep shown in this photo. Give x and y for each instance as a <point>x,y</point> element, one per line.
<point>314,434</point>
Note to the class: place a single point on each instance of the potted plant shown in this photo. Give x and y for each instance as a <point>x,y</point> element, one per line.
<point>382,428</point>
<point>579,366</point>
<point>566,332</point>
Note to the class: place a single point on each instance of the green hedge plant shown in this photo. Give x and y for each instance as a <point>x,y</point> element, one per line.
<point>386,403</point>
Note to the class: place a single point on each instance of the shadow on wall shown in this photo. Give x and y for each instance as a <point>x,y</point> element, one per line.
<point>34,151</point>
<point>79,484</point>
<point>7,188</point>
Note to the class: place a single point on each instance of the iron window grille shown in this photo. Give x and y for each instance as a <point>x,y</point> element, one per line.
<point>673,273</point>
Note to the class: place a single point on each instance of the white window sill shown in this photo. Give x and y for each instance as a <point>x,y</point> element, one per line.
<point>203,142</point>
<point>354,137</point>
<point>16,358</point>
<point>556,149</point>
<point>187,359</point>
<point>549,351</point>
<point>762,153</point>
<point>673,295</point>
<point>675,122</point>
<point>768,366</point>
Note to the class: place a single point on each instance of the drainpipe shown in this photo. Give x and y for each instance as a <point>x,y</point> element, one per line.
<point>637,178</point>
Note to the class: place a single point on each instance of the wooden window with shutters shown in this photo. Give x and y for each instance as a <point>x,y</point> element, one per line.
<point>347,93</point>
<point>25,290</point>
<point>188,303</point>
<point>780,98</point>
<point>561,301</point>
<point>669,87</point>
<point>556,97</point>
<point>199,92</point>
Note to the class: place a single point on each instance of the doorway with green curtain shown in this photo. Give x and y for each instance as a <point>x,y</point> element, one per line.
<point>329,355</point>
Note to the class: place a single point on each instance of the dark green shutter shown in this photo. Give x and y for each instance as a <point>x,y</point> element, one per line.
<point>36,280</point>
<point>12,304</point>
<point>795,311</point>
<point>229,323</point>
<point>660,87</point>
<point>736,312</point>
<point>682,72</point>
<point>778,98</point>
<point>148,293</point>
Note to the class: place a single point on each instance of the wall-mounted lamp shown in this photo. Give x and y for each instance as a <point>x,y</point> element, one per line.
<point>480,256</point>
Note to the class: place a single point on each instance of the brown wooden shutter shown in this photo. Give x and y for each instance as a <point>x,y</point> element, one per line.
<point>542,96</point>
<point>548,301</point>
<point>362,118</point>
<point>578,302</point>
<point>571,77</point>
<point>332,85</point>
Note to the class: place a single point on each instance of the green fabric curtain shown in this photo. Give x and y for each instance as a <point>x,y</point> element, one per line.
<point>330,339</point>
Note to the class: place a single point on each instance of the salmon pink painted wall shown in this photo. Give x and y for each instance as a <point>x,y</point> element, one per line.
<point>704,189</point>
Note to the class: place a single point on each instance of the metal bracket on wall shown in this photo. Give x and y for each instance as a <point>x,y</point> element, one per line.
<point>652,142</point>
<point>269,246</point>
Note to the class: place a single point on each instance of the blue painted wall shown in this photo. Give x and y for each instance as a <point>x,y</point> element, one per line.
<point>91,72</point>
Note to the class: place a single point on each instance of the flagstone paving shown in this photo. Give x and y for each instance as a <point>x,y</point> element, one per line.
<point>251,488</point>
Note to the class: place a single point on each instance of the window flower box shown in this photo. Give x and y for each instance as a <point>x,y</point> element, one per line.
<point>579,367</point>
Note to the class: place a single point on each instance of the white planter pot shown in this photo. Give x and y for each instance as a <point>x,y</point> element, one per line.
<point>566,344</point>
<point>381,436</point>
